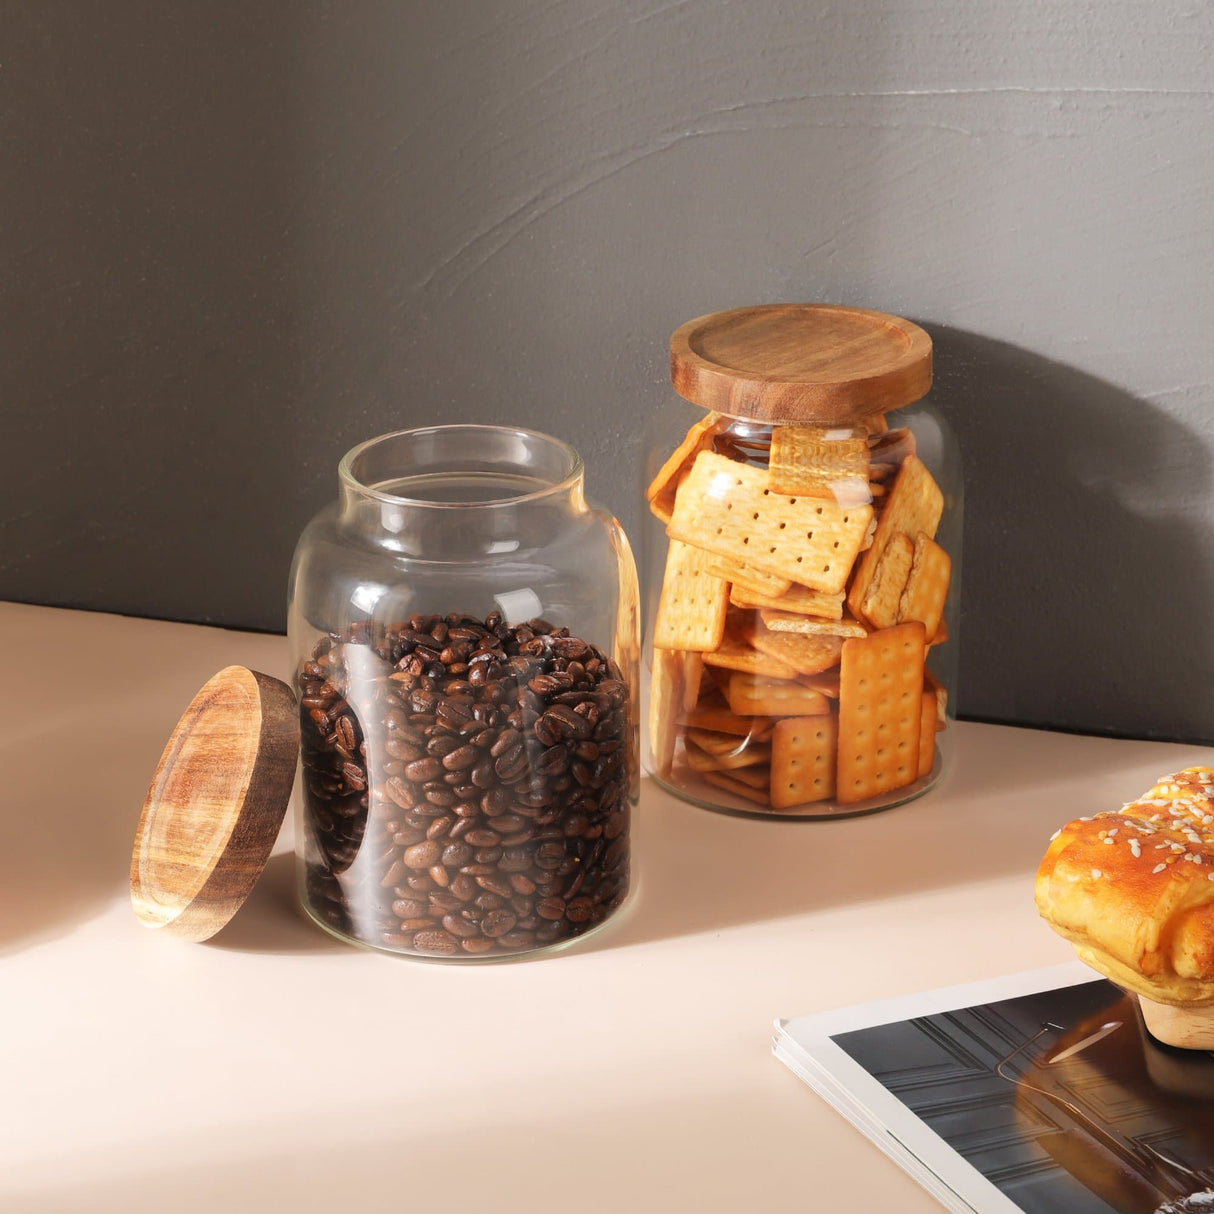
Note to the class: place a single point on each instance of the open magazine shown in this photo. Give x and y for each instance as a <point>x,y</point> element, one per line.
<point>1041,1093</point>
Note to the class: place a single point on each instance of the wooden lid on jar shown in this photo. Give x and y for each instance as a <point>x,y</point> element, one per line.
<point>795,363</point>
<point>215,805</point>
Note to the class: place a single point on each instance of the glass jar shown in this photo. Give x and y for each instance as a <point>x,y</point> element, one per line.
<point>465,638</point>
<point>802,560</point>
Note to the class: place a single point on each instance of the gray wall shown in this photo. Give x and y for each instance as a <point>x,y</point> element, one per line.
<point>236,238</point>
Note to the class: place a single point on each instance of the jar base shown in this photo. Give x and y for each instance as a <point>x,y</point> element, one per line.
<point>613,920</point>
<point>706,796</point>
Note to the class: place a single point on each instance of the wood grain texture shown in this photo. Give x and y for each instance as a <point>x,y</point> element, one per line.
<point>215,804</point>
<point>1185,1028</point>
<point>801,362</point>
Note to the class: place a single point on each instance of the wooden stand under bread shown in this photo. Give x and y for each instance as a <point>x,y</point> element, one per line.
<point>802,569</point>
<point>1133,890</point>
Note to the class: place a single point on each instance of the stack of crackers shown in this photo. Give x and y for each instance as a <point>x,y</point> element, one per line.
<point>800,598</point>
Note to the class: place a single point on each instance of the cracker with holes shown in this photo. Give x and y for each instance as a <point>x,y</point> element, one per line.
<point>927,733</point>
<point>691,611</point>
<point>805,654</point>
<point>803,760</point>
<point>799,600</point>
<point>745,578</point>
<point>884,595</point>
<point>737,653</point>
<point>805,625</point>
<point>914,504</point>
<point>723,720</point>
<point>755,696</point>
<point>732,782</point>
<point>926,586</point>
<point>662,489</point>
<point>665,696</point>
<point>729,509</point>
<point>817,461</point>
<point>880,712</point>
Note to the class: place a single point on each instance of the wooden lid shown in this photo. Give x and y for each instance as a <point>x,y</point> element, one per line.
<point>801,362</point>
<point>216,803</point>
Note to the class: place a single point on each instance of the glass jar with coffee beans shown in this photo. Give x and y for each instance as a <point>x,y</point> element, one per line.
<point>465,637</point>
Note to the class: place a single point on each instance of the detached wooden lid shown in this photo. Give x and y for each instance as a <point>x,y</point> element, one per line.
<point>216,803</point>
<point>801,362</point>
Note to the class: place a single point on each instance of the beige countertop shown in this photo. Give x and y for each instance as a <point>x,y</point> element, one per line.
<point>275,1069</point>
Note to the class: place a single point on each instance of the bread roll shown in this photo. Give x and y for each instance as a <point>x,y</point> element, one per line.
<point>1134,890</point>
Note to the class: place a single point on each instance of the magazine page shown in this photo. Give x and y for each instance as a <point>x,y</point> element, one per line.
<point>1040,1093</point>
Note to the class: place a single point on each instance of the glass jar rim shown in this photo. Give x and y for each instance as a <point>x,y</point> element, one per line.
<point>567,481</point>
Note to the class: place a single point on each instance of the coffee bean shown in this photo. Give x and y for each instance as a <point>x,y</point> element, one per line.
<point>497,792</point>
<point>462,758</point>
<point>423,855</point>
<point>477,945</point>
<point>549,855</point>
<point>515,938</point>
<point>436,941</point>
<point>483,838</point>
<point>515,860</point>
<point>455,854</point>
<point>495,885</point>
<point>464,887</point>
<point>421,770</point>
<point>498,923</point>
<point>460,927</point>
<point>512,764</point>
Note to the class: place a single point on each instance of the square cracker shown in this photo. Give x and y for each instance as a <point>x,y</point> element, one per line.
<point>663,487</point>
<point>807,625</point>
<point>730,509</point>
<point>933,684</point>
<point>753,777</point>
<point>927,585</point>
<point>803,760</point>
<point>693,680</point>
<point>752,695</point>
<point>880,712</point>
<point>814,460</point>
<point>737,653</point>
<point>665,697</point>
<point>827,682</point>
<point>927,733</point>
<point>805,654</point>
<point>731,782</point>
<point>880,606</point>
<point>691,610</point>
<point>799,600</point>
<point>723,721</point>
<point>914,504</point>
<point>699,759</point>
<point>888,450</point>
<point>743,576</point>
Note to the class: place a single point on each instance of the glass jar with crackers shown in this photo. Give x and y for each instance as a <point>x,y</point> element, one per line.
<point>802,564</point>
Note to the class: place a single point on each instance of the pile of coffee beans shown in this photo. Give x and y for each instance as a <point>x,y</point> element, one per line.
<point>467,784</point>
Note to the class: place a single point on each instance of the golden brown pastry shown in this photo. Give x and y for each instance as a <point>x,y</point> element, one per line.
<point>1134,890</point>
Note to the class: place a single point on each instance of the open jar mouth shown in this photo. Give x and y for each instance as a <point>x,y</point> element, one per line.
<point>467,465</point>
